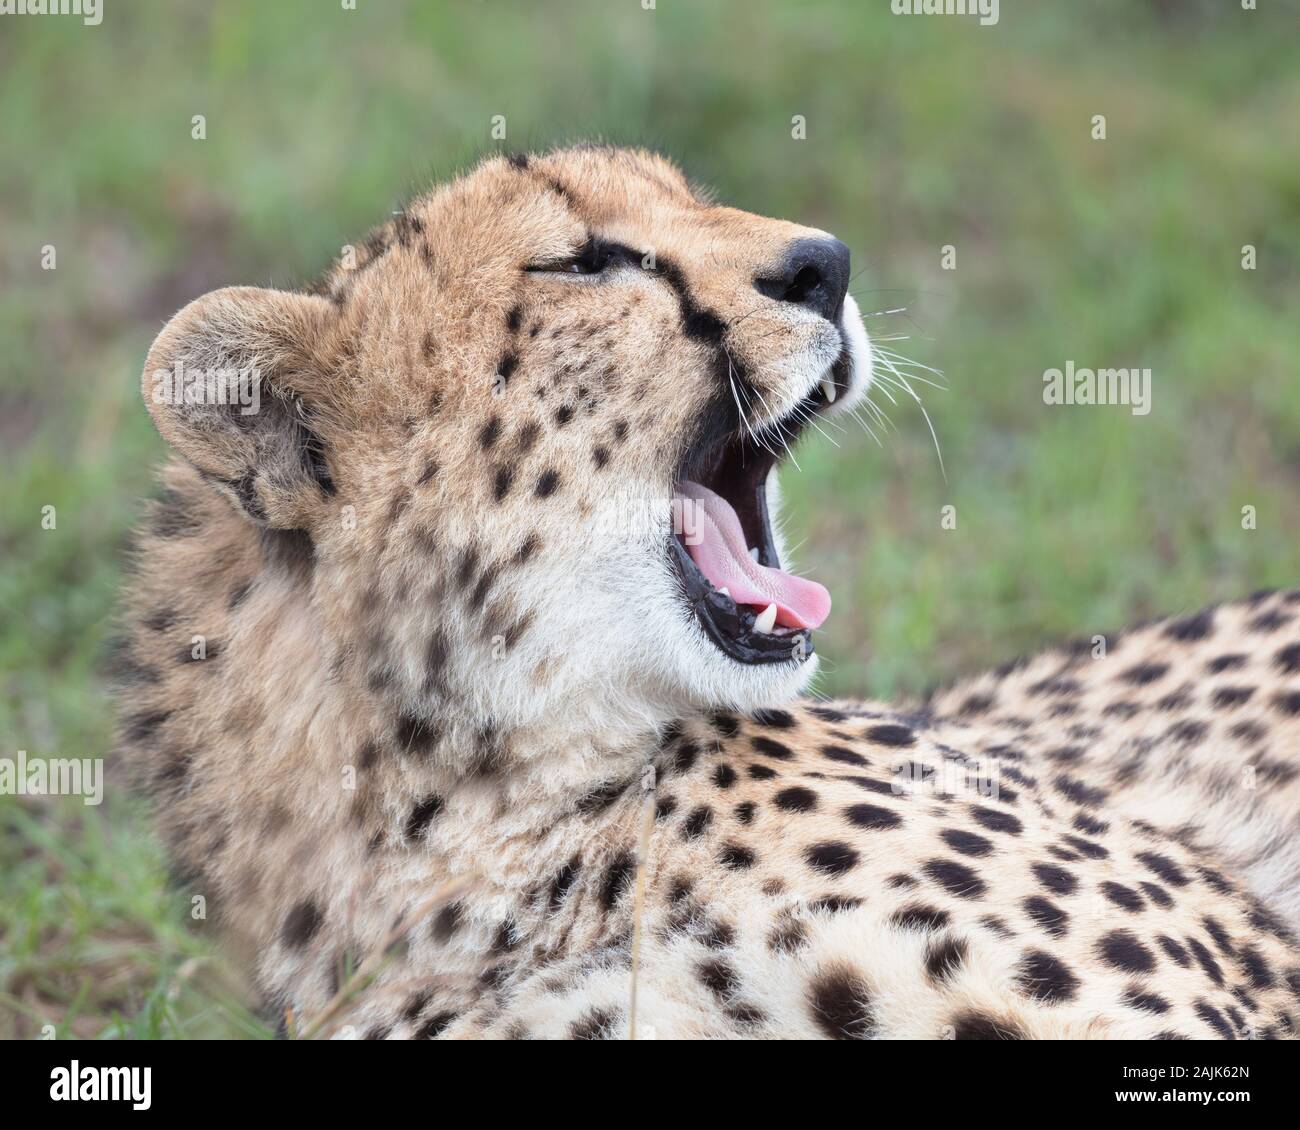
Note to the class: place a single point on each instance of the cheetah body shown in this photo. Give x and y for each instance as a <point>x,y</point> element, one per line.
<point>443,729</point>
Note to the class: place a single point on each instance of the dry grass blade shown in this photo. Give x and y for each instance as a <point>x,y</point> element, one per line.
<point>638,892</point>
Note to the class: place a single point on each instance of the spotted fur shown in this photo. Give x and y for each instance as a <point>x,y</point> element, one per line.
<point>430,667</point>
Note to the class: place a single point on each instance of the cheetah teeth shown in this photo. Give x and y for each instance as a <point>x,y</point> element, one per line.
<point>828,389</point>
<point>724,591</point>
<point>753,552</point>
<point>766,620</point>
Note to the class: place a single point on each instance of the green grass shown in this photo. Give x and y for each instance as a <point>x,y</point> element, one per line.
<point>921,132</point>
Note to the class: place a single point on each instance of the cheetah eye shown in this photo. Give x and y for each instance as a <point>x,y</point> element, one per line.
<point>590,259</point>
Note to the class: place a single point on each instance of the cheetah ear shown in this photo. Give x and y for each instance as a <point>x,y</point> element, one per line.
<point>232,385</point>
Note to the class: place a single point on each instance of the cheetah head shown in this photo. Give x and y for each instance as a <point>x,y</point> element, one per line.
<point>525,437</point>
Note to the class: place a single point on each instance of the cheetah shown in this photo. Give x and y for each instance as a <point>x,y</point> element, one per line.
<point>470,692</point>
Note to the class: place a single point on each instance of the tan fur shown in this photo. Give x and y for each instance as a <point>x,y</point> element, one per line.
<point>428,661</point>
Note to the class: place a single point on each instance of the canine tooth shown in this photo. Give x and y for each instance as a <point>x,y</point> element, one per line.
<point>724,591</point>
<point>828,389</point>
<point>754,553</point>
<point>766,619</point>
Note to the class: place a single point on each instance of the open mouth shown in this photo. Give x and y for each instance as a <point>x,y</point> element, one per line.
<point>724,550</point>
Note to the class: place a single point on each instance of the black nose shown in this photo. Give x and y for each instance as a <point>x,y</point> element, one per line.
<point>815,274</point>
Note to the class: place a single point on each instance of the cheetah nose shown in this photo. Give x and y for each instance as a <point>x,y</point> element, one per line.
<point>814,274</point>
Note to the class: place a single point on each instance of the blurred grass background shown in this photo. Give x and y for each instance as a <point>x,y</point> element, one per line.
<point>921,132</point>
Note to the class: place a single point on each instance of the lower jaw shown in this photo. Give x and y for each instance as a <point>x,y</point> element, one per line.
<point>729,626</point>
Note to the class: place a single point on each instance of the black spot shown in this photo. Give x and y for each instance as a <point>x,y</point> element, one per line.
<point>1206,961</point>
<point>618,877</point>
<point>1121,949</point>
<point>1157,894</point>
<point>1137,997</point>
<point>976,1026</point>
<point>1288,703</point>
<point>890,735</point>
<point>1214,1018</point>
<point>161,619</point>
<point>1257,969</point>
<point>841,1005</point>
<point>944,957</point>
<point>997,821</point>
<point>1047,915</point>
<point>139,727</point>
<point>724,776</point>
<point>415,735</point>
<point>1078,792</point>
<point>1189,731</point>
<point>301,924</point>
<point>563,881</point>
<point>518,160</point>
<point>1166,868</point>
<point>1045,978</point>
<point>1225,698</point>
<point>844,756</point>
<point>745,812</point>
<point>238,595</point>
<point>490,433</point>
<point>665,806</point>
<point>1195,627</point>
<point>1089,825</point>
<point>423,812</point>
<point>871,817</point>
<point>796,799</point>
<point>718,977</point>
<point>505,476</point>
<point>1122,896</point>
<point>777,719</point>
<point>526,437</point>
<point>1287,660</point>
<point>762,772</point>
<point>686,756</point>
<point>835,904</point>
<point>726,725</point>
<point>1174,950</point>
<point>1216,931</point>
<point>447,921</point>
<point>955,878</point>
<point>546,483</point>
<point>526,550</point>
<point>831,857</point>
<point>789,935</point>
<point>595,1024</point>
<point>434,1025</point>
<point>967,843</point>
<point>1269,621</point>
<point>599,456</point>
<point>695,824</point>
<point>918,917</point>
<point>563,415</point>
<point>1056,879</point>
<point>1223,663</point>
<point>1086,847</point>
<point>736,857</point>
<point>1144,673</point>
<point>770,748</point>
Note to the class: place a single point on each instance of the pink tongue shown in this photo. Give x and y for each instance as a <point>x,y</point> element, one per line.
<point>719,551</point>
